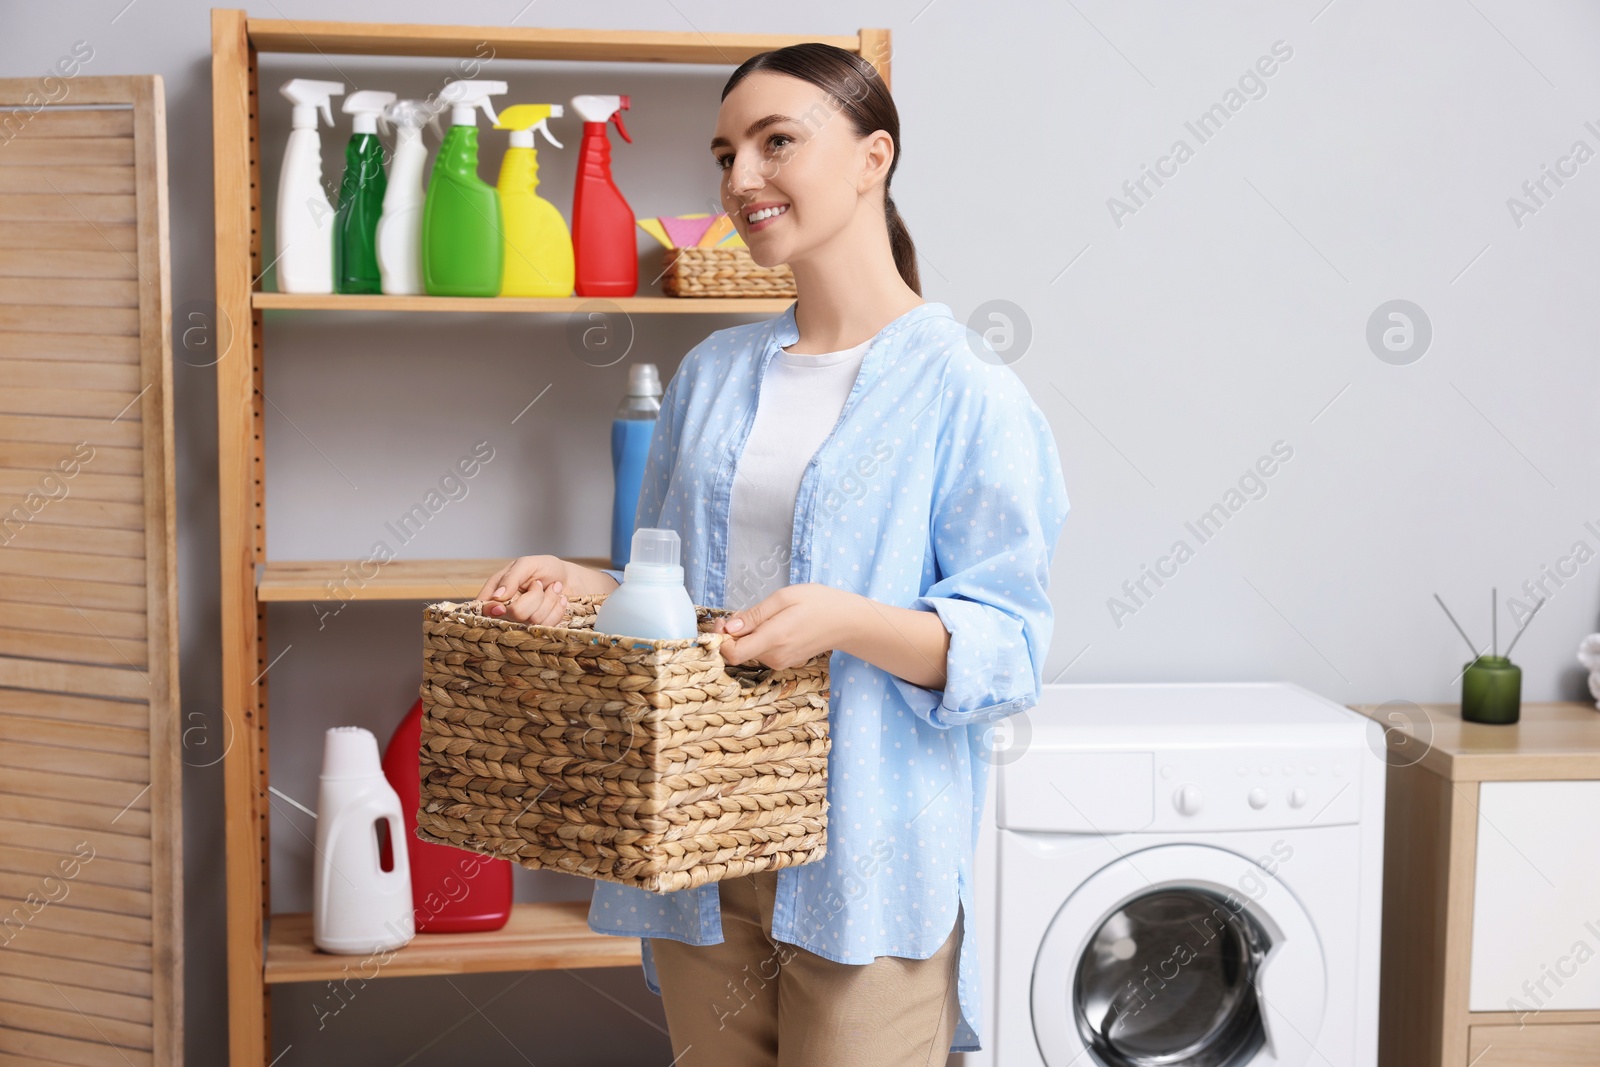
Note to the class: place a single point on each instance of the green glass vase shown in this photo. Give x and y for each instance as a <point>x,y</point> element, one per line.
<point>1491,691</point>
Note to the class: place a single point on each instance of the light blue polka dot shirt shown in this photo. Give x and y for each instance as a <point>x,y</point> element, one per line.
<point>939,489</point>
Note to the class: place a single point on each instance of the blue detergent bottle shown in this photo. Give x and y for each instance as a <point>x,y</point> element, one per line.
<point>631,430</point>
<point>652,601</point>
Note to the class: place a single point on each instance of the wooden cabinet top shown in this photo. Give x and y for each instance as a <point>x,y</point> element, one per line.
<point>1552,741</point>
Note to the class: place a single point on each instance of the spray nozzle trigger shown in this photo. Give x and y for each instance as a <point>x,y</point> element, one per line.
<point>524,120</point>
<point>312,94</point>
<point>616,117</point>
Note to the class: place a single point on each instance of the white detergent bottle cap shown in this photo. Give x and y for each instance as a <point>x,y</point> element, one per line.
<point>350,752</point>
<point>654,556</point>
<point>463,95</point>
<point>308,97</point>
<point>645,380</point>
<point>367,106</point>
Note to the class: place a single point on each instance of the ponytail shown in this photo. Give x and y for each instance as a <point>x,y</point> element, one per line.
<point>905,253</point>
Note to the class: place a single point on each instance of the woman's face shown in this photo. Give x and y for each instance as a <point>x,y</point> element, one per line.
<point>794,173</point>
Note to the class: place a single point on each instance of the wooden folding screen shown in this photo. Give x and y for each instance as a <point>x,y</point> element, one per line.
<point>90,751</point>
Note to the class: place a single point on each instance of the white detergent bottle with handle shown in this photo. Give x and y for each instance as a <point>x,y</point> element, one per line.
<point>652,601</point>
<point>305,217</point>
<point>361,882</point>
<point>400,227</point>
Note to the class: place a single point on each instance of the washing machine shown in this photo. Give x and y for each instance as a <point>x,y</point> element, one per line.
<point>1184,875</point>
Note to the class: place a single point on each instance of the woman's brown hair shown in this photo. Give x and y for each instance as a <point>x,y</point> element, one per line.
<point>855,87</point>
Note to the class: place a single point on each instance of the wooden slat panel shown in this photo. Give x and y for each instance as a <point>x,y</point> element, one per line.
<point>44,318</point>
<point>19,960</point>
<point>69,917</point>
<point>75,592</point>
<point>101,870</point>
<point>93,1002</point>
<point>62,840</point>
<point>71,403</point>
<point>88,481</point>
<point>46,263</point>
<point>72,346</point>
<point>20,459</point>
<point>67,207</point>
<point>44,1050</point>
<point>1542,1045</point>
<point>100,818</point>
<point>84,679</point>
<point>94,738</point>
<point>61,618</point>
<point>104,514</point>
<point>70,236</point>
<point>71,1021</point>
<point>67,179</point>
<point>75,648</point>
<point>101,122</point>
<point>40,991</point>
<point>65,785</point>
<point>76,292</point>
<point>28,151</point>
<point>104,765</point>
<point>58,565</point>
<point>64,708</point>
<point>65,374</point>
<point>70,541</point>
<point>112,900</point>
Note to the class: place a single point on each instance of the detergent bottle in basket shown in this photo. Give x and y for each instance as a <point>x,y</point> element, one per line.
<point>361,882</point>
<point>652,601</point>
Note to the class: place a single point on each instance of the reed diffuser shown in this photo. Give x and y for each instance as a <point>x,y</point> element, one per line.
<point>1491,686</point>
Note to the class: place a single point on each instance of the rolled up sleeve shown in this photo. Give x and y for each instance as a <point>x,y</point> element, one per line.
<point>999,504</point>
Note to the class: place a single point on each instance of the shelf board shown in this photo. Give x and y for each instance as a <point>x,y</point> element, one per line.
<point>635,305</point>
<point>538,937</point>
<point>327,581</point>
<point>517,42</point>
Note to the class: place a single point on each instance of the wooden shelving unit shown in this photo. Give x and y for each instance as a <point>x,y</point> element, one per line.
<point>264,949</point>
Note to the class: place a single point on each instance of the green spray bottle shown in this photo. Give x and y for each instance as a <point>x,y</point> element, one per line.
<point>463,247</point>
<point>355,254</point>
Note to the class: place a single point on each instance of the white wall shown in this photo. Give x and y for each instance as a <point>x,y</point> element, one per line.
<point>1227,312</point>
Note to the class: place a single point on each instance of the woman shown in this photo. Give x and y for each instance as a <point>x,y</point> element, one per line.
<point>860,474</point>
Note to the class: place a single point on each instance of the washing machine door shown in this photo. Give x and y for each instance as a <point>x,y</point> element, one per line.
<point>1179,954</point>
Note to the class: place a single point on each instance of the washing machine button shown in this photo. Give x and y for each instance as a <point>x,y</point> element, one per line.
<point>1187,799</point>
<point>1258,798</point>
<point>1297,798</point>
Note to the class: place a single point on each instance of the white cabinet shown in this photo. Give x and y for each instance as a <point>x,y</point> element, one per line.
<point>1536,905</point>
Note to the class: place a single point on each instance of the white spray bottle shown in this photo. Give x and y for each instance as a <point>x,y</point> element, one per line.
<point>361,880</point>
<point>400,227</point>
<point>305,217</point>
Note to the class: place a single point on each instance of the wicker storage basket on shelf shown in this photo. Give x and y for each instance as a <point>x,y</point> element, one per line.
<point>722,272</point>
<point>649,763</point>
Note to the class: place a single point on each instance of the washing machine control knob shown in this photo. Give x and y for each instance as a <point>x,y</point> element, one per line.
<point>1187,799</point>
<point>1297,798</point>
<point>1258,798</point>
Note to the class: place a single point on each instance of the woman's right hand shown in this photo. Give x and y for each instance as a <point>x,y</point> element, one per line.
<point>531,588</point>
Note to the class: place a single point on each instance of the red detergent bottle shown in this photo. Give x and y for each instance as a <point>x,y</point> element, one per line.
<point>604,244</point>
<point>453,890</point>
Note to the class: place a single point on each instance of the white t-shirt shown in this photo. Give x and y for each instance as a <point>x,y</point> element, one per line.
<point>801,398</point>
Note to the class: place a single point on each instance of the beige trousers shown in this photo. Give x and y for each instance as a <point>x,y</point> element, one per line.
<point>755,1002</point>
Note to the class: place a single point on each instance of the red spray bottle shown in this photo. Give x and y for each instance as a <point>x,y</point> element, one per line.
<point>603,236</point>
<point>453,890</point>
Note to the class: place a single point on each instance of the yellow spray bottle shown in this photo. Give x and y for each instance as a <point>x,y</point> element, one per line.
<point>538,245</point>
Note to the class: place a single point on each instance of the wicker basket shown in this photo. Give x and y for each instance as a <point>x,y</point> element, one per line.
<point>722,272</point>
<point>648,763</point>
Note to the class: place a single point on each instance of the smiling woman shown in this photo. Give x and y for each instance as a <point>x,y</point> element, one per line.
<point>862,476</point>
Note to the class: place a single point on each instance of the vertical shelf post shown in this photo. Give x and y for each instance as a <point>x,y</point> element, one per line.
<point>243,531</point>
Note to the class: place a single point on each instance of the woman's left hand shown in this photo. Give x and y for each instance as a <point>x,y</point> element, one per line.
<point>789,627</point>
